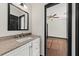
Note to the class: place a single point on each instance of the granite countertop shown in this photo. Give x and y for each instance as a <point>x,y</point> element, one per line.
<point>7,45</point>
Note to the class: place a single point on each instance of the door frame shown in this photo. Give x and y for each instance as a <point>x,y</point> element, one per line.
<point>77,29</point>
<point>69,27</point>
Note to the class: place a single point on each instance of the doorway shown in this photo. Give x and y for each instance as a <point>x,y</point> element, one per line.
<point>58,29</point>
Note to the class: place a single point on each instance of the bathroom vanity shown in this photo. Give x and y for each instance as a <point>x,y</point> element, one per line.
<point>26,46</point>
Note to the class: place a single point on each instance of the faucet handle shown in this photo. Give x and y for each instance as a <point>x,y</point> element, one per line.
<point>22,35</point>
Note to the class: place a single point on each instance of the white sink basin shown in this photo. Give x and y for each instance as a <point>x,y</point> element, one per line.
<point>24,39</point>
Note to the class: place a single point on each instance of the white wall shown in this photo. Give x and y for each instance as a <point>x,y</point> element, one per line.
<point>58,26</point>
<point>38,22</point>
<point>4,21</point>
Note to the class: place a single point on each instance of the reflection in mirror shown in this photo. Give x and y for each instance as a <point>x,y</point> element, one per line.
<point>17,18</point>
<point>21,22</point>
<point>57,30</point>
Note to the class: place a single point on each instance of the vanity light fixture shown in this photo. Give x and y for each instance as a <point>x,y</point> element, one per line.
<point>22,4</point>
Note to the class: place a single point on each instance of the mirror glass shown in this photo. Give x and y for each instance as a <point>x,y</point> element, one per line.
<point>18,19</point>
<point>57,25</point>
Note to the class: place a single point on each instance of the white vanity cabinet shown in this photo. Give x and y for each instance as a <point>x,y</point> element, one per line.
<point>29,49</point>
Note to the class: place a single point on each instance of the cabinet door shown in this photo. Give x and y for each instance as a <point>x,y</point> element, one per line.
<point>36,47</point>
<point>28,49</point>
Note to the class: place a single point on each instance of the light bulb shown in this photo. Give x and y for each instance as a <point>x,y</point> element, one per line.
<point>25,6</point>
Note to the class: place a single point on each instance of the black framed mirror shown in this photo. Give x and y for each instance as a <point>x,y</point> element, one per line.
<point>54,51</point>
<point>18,19</point>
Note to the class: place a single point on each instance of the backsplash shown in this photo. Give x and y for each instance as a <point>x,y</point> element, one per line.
<point>15,36</point>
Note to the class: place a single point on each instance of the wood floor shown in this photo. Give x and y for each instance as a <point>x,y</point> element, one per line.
<point>56,47</point>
